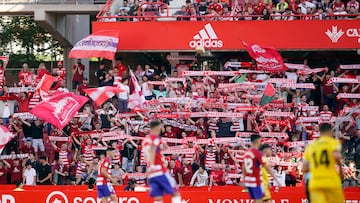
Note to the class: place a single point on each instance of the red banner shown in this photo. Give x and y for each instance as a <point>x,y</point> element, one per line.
<point>267,58</point>
<point>226,194</point>
<point>326,34</point>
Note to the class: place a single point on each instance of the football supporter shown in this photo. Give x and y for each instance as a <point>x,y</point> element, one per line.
<point>253,161</point>
<point>78,74</point>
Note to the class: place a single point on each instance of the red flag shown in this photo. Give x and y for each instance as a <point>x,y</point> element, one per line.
<point>59,109</point>
<point>267,58</point>
<point>5,137</point>
<point>136,99</point>
<point>268,95</point>
<point>45,84</point>
<point>101,94</point>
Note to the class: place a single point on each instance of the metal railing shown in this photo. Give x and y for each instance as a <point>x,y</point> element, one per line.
<point>162,14</point>
<point>154,16</point>
<point>14,2</point>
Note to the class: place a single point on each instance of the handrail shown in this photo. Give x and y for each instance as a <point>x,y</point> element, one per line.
<point>104,8</point>
<point>162,5</point>
<point>101,15</point>
<point>14,2</point>
<point>235,18</point>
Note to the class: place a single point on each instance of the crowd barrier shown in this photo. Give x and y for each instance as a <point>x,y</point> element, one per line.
<point>225,194</point>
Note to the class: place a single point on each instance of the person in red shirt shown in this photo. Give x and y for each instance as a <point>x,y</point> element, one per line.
<point>60,71</point>
<point>329,91</point>
<point>78,73</point>
<point>60,172</point>
<point>258,7</point>
<point>120,67</point>
<point>186,172</point>
<point>16,171</point>
<point>75,125</point>
<point>175,173</point>
<point>338,5</point>
<point>3,172</point>
<point>225,155</point>
<point>169,133</point>
<point>42,71</point>
<point>215,5</point>
<point>82,87</point>
<point>216,176</point>
<point>23,100</point>
<point>28,148</point>
<point>24,73</point>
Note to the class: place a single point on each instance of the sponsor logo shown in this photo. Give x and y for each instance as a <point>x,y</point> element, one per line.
<point>94,200</point>
<point>60,197</point>
<point>206,38</point>
<point>7,199</point>
<point>244,201</point>
<point>353,32</point>
<point>334,34</point>
<point>57,197</point>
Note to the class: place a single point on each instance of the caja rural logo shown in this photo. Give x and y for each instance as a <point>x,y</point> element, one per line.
<point>207,38</point>
<point>336,33</point>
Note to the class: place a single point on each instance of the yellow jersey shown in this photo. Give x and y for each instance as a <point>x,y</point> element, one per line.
<point>319,155</point>
<point>264,173</point>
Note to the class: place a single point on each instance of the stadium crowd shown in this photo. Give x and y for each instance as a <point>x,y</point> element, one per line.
<point>41,154</point>
<point>225,10</point>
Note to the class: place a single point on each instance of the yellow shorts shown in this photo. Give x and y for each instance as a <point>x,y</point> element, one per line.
<point>266,193</point>
<point>326,195</point>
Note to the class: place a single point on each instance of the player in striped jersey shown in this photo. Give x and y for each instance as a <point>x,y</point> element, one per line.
<point>103,182</point>
<point>159,178</point>
<point>252,174</point>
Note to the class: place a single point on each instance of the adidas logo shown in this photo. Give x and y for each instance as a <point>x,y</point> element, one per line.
<point>334,34</point>
<point>206,38</point>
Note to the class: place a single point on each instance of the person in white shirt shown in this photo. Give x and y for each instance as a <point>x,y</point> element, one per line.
<point>123,97</point>
<point>304,5</point>
<point>146,88</point>
<point>63,88</point>
<point>280,176</point>
<point>201,177</point>
<point>29,175</point>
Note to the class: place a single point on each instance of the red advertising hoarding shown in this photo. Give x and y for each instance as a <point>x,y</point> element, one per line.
<point>79,194</point>
<point>227,36</point>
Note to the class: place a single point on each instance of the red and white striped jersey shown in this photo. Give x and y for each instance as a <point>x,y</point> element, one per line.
<point>61,72</point>
<point>88,153</point>
<point>210,158</point>
<point>314,134</point>
<point>302,111</point>
<point>101,179</point>
<point>63,155</point>
<point>142,157</point>
<point>325,116</point>
<point>188,157</point>
<point>159,164</point>
<point>213,125</point>
<point>35,100</point>
<point>253,161</point>
<point>240,159</point>
<point>116,158</point>
<point>140,180</point>
<point>80,168</point>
